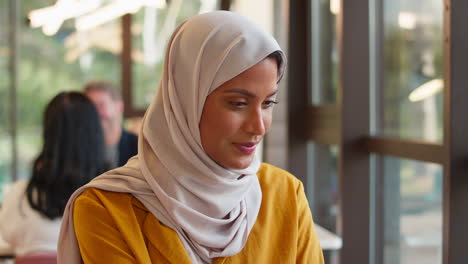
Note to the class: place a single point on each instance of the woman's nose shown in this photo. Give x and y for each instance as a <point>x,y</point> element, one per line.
<point>255,123</point>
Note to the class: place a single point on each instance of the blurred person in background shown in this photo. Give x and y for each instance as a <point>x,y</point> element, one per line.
<point>121,145</point>
<point>72,155</point>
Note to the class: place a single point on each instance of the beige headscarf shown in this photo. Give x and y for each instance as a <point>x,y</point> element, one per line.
<point>211,208</point>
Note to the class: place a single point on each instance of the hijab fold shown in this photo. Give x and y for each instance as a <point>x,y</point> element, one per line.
<point>211,208</point>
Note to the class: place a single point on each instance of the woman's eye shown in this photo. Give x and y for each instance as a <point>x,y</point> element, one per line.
<point>238,104</point>
<point>269,103</point>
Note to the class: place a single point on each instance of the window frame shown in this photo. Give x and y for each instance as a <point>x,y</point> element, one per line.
<point>337,125</point>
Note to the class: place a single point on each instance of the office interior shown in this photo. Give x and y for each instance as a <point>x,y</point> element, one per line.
<point>371,116</point>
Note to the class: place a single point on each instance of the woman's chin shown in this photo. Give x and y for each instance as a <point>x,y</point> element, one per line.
<point>239,164</point>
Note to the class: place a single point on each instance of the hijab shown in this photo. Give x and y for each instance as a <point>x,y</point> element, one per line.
<point>211,208</point>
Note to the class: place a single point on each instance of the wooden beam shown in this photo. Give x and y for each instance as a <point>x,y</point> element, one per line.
<point>409,149</point>
<point>323,124</point>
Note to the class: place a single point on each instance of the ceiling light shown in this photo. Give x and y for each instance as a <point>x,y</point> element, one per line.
<point>112,11</point>
<point>335,7</point>
<point>426,90</point>
<point>52,17</point>
<point>407,20</point>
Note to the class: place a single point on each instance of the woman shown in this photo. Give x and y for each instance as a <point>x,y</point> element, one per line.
<point>72,154</point>
<point>196,192</point>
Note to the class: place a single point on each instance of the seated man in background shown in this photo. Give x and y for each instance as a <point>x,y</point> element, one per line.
<point>120,144</point>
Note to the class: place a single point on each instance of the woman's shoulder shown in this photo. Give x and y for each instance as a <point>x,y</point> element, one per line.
<point>272,177</point>
<point>16,187</point>
<point>274,181</point>
<point>109,199</point>
<point>97,194</point>
<point>14,193</point>
<point>13,200</point>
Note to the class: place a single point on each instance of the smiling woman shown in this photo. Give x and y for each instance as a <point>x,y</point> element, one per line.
<point>237,115</point>
<point>197,192</point>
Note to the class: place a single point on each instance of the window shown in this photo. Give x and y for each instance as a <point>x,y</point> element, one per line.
<point>411,211</point>
<point>324,51</point>
<point>398,125</point>
<point>5,104</point>
<point>49,63</point>
<point>412,70</point>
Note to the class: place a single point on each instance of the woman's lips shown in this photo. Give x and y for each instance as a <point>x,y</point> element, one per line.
<point>246,148</point>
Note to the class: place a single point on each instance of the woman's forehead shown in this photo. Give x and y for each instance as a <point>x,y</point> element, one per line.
<point>262,74</point>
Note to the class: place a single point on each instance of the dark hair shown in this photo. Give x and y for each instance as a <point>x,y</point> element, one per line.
<point>104,86</point>
<point>277,55</point>
<point>72,153</point>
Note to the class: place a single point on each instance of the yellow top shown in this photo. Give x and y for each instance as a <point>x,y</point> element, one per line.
<point>116,228</point>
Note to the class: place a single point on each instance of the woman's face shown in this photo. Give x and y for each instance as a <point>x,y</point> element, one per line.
<point>237,115</point>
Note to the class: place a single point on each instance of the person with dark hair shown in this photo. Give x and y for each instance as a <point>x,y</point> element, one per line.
<point>72,155</point>
<point>197,191</point>
<point>121,145</point>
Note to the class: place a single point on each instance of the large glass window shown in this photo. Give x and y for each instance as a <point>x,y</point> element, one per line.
<point>63,55</point>
<point>412,211</point>
<point>391,154</point>
<point>5,138</point>
<point>412,69</point>
<point>324,55</point>
<point>323,190</point>
<point>50,63</point>
<point>47,62</point>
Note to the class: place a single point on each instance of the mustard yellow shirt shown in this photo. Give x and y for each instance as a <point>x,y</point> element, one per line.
<point>116,228</point>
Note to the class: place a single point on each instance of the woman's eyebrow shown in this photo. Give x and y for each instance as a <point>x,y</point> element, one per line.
<point>247,93</point>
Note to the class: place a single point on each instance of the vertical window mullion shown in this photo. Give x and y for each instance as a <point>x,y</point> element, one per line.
<point>376,72</point>
<point>126,65</point>
<point>13,65</point>
<point>353,100</point>
<point>455,126</point>
<point>298,83</point>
